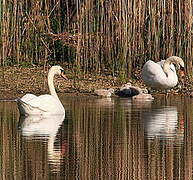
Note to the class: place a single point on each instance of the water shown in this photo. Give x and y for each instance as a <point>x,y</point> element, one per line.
<point>100,138</point>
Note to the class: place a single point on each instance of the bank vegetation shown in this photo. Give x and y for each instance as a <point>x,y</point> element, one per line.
<point>89,36</point>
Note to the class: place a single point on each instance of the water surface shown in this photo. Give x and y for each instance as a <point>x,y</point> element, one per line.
<point>100,138</point>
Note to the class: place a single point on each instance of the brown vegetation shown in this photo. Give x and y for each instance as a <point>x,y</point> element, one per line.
<point>17,81</point>
<point>118,35</point>
<point>96,36</point>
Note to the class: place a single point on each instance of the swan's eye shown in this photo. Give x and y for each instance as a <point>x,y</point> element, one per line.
<point>62,70</point>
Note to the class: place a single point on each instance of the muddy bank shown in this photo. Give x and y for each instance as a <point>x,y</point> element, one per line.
<point>17,81</point>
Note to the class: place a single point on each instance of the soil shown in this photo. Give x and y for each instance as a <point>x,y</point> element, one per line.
<point>17,81</point>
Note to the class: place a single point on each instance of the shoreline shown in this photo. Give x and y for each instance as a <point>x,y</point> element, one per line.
<point>17,81</point>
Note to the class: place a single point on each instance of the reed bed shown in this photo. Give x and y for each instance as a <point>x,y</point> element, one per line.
<point>117,36</point>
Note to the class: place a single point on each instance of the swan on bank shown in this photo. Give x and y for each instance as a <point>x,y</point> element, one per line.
<point>162,75</point>
<point>46,104</point>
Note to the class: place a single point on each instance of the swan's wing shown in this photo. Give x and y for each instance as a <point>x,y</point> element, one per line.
<point>172,67</point>
<point>152,71</point>
<point>46,103</point>
<point>28,97</point>
<point>23,105</point>
<point>161,63</point>
<point>29,107</point>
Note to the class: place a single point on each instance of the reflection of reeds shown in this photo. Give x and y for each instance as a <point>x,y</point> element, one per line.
<point>110,143</point>
<point>97,141</point>
<point>116,35</point>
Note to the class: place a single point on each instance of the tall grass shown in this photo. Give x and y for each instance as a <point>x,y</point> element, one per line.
<point>114,35</point>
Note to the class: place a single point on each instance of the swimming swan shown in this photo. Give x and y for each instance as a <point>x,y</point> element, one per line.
<point>162,74</point>
<point>46,104</point>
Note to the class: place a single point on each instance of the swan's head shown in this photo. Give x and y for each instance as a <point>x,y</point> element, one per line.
<point>177,61</point>
<point>58,70</point>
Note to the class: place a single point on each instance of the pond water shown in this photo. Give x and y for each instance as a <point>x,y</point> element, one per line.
<point>100,138</point>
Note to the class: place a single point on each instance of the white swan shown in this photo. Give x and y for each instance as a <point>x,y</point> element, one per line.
<point>162,74</point>
<point>46,104</point>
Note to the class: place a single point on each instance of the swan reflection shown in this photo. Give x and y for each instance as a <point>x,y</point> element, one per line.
<point>44,128</point>
<point>161,123</point>
<point>104,102</point>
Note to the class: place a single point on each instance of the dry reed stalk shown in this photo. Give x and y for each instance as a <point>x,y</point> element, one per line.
<point>116,35</point>
<point>3,31</point>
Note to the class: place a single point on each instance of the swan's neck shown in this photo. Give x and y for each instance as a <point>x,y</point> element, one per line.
<point>51,84</point>
<point>166,65</point>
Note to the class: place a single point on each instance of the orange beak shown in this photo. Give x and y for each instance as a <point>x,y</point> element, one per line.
<point>182,73</point>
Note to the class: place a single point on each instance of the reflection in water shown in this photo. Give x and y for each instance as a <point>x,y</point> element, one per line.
<point>161,122</point>
<point>110,143</point>
<point>104,102</point>
<point>100,139</point>
<point>44,128</point>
